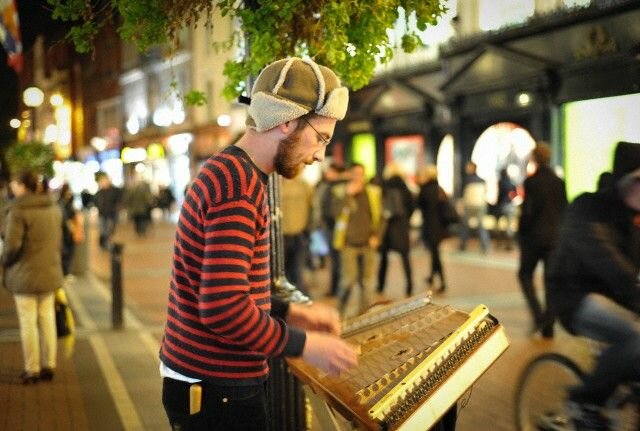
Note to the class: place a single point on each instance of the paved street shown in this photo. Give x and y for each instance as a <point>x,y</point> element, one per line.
<point>110,380</point>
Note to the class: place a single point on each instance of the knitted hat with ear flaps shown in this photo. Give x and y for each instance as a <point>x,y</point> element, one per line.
<point>290,88</point>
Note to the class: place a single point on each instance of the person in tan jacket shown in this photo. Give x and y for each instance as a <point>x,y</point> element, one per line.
<point>33,271</point>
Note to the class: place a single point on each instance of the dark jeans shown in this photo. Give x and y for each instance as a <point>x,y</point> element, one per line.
<point>599,318</point>
<point>530,255</point>
<point>107,226</point>
<point>228,408</point>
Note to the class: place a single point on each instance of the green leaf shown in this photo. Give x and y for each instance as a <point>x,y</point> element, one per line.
<point>195,98</point>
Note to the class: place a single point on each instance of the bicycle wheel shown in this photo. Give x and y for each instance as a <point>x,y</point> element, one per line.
<point>542,391</point>
<point>624,408</point>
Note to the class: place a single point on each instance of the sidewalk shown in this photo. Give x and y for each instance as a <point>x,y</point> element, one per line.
<point>111,381</point>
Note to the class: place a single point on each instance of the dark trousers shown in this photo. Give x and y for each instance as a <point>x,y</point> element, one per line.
<point>228,408</point>
<point>436,261</point>
<point>530,255</point>
<point>294,258</point>
<point>382,270</point>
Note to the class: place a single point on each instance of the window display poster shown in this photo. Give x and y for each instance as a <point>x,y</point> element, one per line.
<point>406,151</point>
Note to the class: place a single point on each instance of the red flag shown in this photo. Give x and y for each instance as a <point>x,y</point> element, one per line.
<point>10,34</point>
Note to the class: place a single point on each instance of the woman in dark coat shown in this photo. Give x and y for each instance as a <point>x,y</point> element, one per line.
<point>33,271</point>
<point>398,203</point>
<point>433,230</point>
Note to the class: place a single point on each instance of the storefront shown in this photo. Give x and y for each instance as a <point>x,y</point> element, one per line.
<point>553,79</point>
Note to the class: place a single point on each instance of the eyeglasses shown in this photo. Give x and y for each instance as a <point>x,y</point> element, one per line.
<point>321,138</point>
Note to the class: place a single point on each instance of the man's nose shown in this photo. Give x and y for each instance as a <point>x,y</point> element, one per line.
<point>318,156</point>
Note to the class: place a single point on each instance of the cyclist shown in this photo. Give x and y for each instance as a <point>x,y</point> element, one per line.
<point>593,283</point>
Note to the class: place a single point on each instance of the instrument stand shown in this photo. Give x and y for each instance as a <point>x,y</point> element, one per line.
<point>325,414</point>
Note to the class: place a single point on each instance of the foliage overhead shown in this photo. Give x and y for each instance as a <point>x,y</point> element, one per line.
<point>32,156</point>
<point>346,35</point>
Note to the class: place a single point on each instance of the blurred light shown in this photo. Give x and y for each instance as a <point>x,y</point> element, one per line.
<point>92,166</point>
<point>33,97</point>
<point>133,125</point>
<point>524,99</point>
<point>140,168</point>
<point>56,100</point>
<point>179,144</point>
<point>56,182</point>
<point>155,151</point>
<point>162,117</point>
<point>50,134</point>
<point>224,120</point>
<point>177,115</point>
<point>15,123</point>
<point>141,109</point>
<point>133,155</point>
<point>98,143</point>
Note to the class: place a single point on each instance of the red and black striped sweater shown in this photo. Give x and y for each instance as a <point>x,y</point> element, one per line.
<point>219,324</point>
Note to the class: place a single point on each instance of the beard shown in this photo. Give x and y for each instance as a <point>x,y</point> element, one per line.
<point>287,162</point>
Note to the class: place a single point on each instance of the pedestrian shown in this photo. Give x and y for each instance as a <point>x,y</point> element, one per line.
<point>474,200</point>
<point>545,200</point>
<point>323,217</point>
<point>398,206</point>
<point>72,227</point>
<point>222,323</point>
<point>107,199</point>
<point>166,201</point>
<point>357,208</point>
<point>31,258</point>
<point>592,283</point>
<point>505,207</point>
<point>433,229</point>
<point>295,200</point>
<point>139,201</point>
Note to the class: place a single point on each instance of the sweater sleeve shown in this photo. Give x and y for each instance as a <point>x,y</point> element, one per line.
<point>227,301</point>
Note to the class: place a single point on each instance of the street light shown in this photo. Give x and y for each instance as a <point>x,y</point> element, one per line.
<point>33,97</point>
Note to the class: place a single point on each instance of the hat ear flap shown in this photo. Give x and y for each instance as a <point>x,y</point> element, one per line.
<point>336,104</point>
<point>268,111</point>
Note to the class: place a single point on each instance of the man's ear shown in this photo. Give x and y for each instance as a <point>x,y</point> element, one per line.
<point>288,127</point>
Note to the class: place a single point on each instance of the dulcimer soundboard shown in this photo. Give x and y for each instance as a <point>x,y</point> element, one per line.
<point>416,359</point>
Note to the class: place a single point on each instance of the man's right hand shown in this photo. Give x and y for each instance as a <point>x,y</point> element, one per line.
<point>329,353</point>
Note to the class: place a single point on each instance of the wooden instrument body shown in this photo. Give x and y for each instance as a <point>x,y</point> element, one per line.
<point>416,360</point>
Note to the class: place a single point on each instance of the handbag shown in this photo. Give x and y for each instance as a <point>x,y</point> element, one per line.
<point>64,317</point>
<point>446,210</point>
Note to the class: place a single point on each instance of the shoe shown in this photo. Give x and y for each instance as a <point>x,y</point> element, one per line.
<point>46,374</point>
<point>27,378</point>
<point>587,417</point>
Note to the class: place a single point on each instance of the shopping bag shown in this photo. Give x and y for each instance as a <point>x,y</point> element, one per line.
<point>318,243</point>
<point>65,322</point>
<point>62,323</point>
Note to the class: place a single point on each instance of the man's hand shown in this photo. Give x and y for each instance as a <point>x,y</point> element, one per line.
<point>314,317</point>
<point>328,353</point>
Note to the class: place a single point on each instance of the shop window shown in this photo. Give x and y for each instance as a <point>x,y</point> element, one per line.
<point>503,145</point>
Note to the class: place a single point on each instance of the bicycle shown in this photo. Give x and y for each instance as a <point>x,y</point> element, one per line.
<point>541,393</point>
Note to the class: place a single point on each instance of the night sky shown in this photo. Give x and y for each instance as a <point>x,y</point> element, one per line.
<point>35,19</point>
